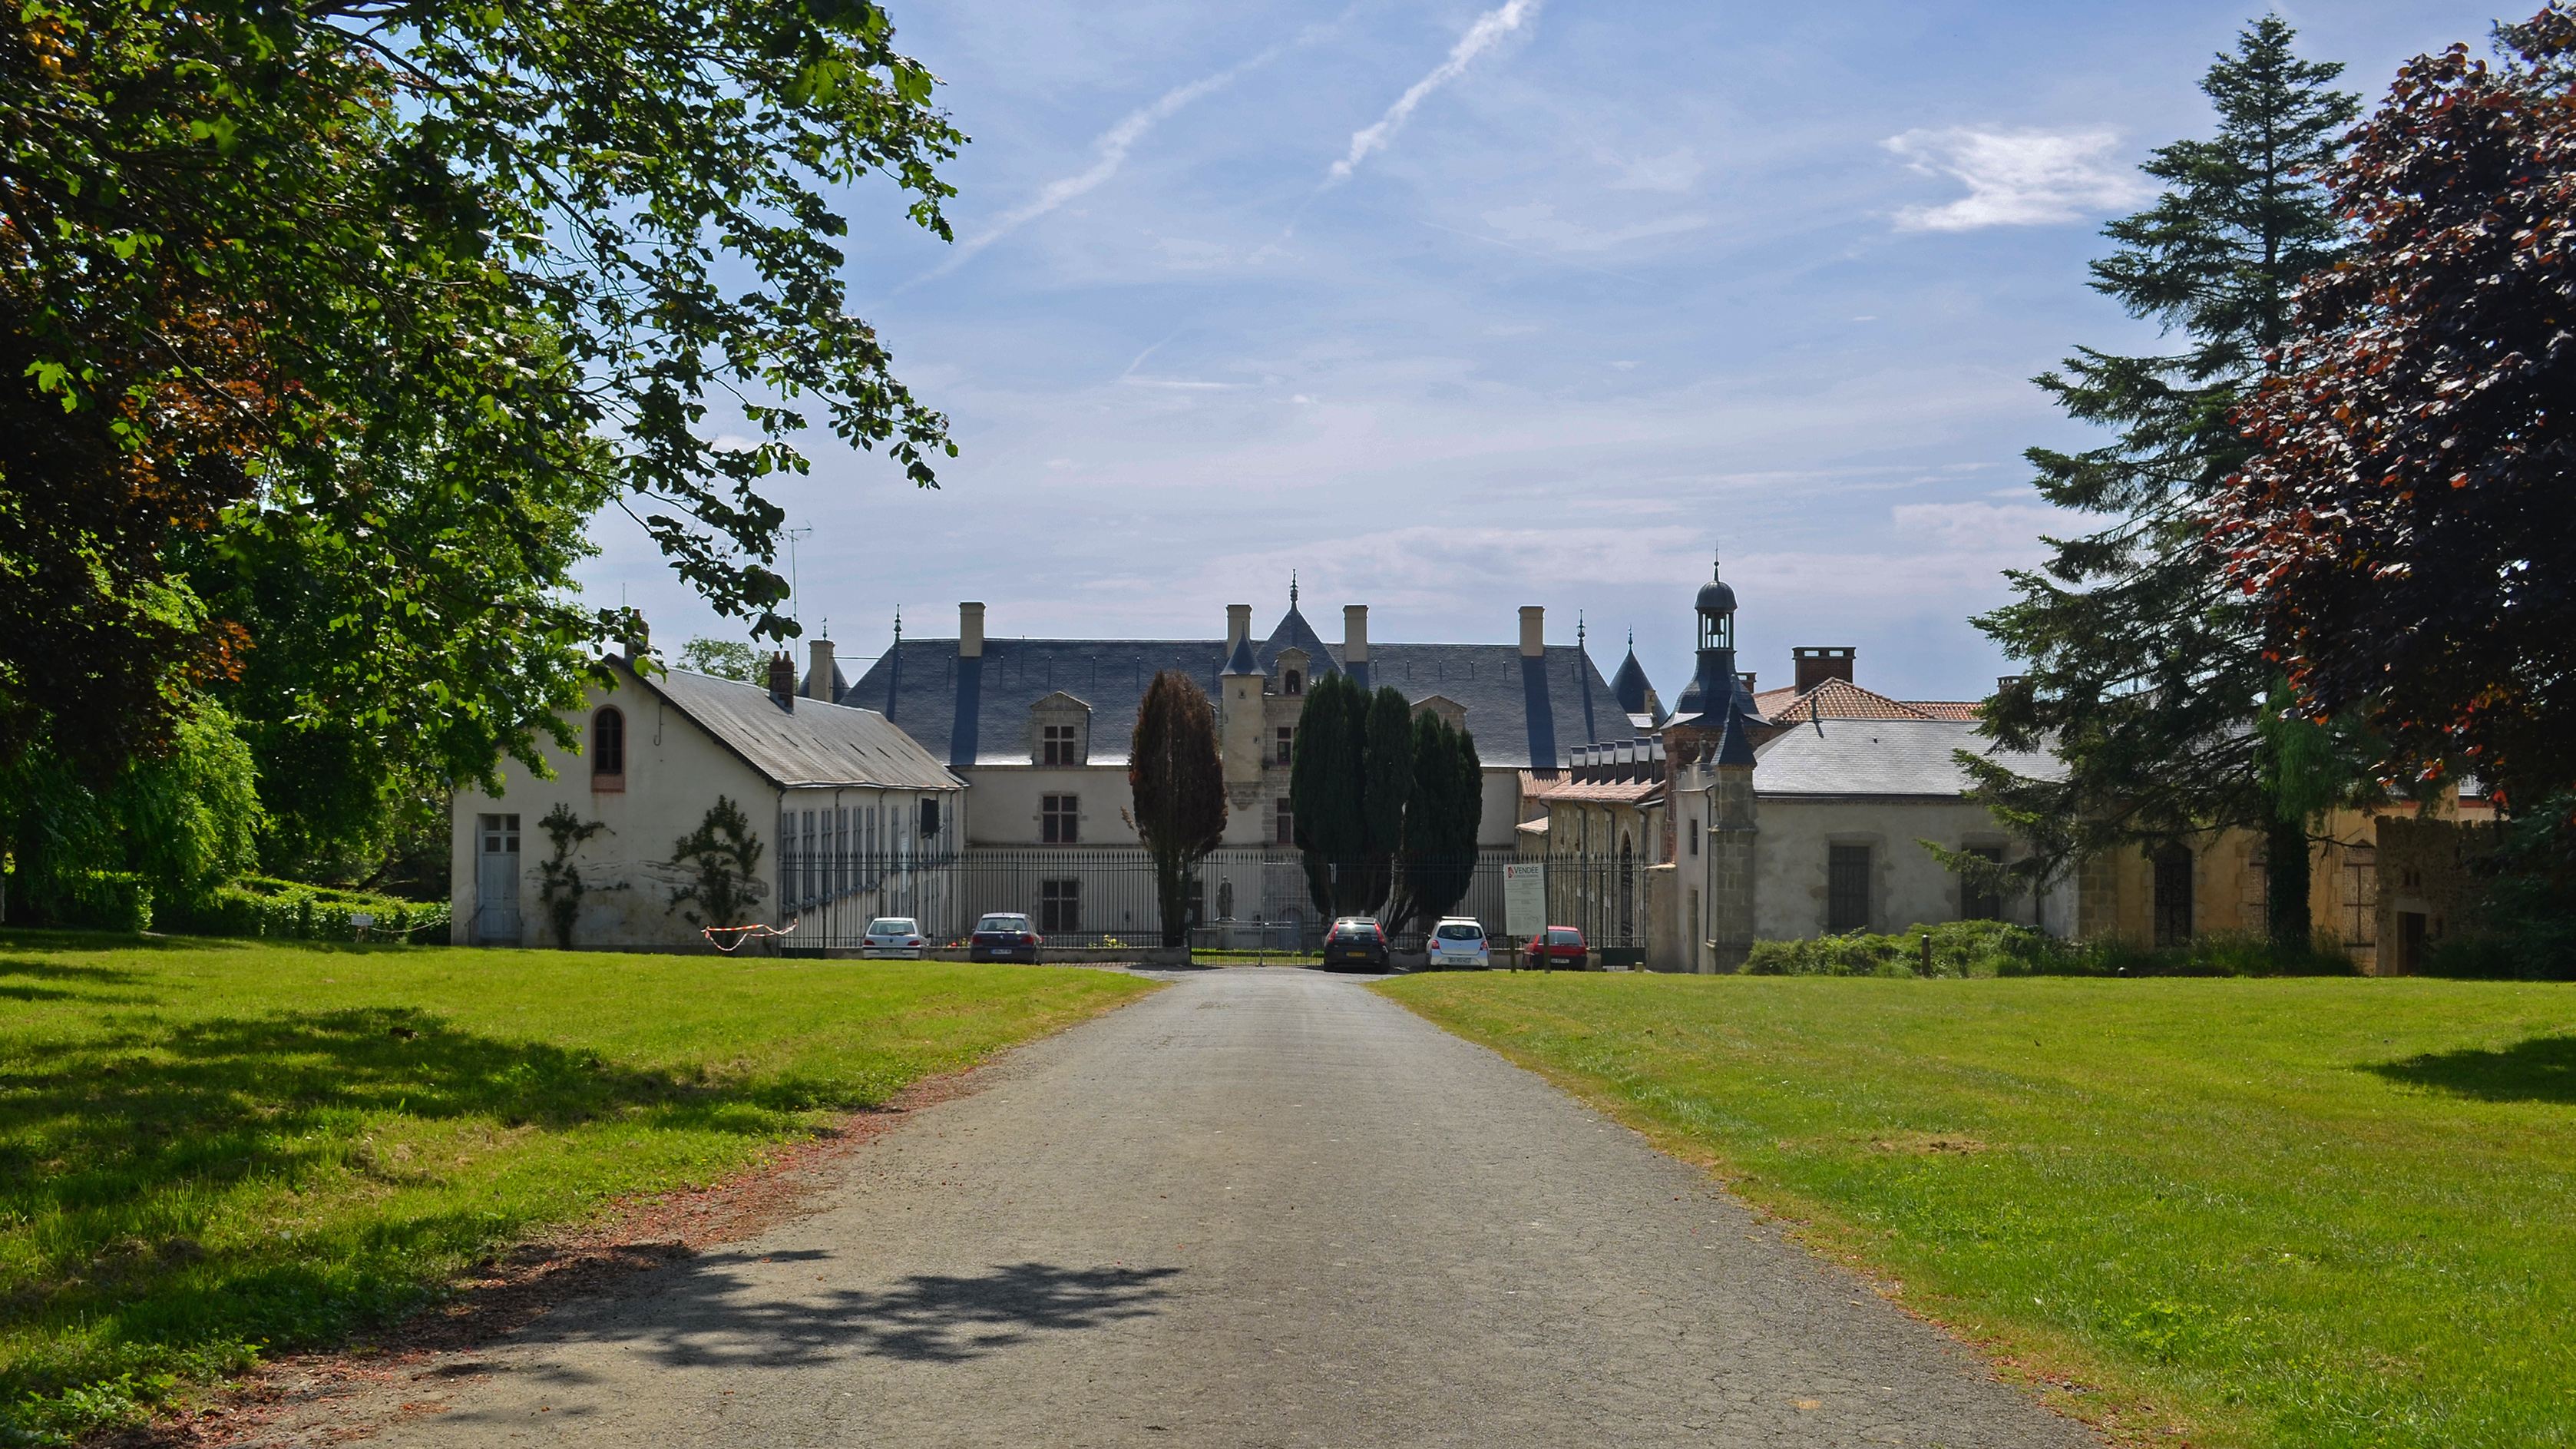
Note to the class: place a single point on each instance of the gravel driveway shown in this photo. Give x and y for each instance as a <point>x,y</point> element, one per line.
<point>1265,1207</point>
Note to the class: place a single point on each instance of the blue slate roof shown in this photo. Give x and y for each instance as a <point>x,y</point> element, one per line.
<point>968,711</point>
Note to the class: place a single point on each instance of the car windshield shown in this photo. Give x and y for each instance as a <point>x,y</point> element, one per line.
<point>1003,923</point>
<point>893,926</point>
<point>1461,931</point>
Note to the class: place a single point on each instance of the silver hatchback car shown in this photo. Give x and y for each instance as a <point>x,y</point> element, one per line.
<point>891,938</point>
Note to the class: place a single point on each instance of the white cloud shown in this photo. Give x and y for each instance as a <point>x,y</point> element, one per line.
<point>1980,529</point>
<point>1185,255</point>
<point>2020,178</point>
<point>1658,173</point>
<point>1488,31</point>
<point>1538,222</point>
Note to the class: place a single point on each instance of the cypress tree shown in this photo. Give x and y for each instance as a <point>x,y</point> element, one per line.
<point>1441,820</point>
<point>1389,757</point>
<point>1177,780</point>
<point>1327,790</point>
<point>2145,672</point>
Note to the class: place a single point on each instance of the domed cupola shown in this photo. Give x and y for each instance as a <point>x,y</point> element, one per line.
<point>1716,687</point>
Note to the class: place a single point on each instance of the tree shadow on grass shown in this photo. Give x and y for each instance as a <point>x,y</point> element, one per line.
<point>2540,1069</point>
<point>114,1150</point>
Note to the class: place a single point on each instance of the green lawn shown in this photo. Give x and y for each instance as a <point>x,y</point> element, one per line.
<point>213,1149</point>
<point>2284,1212</point>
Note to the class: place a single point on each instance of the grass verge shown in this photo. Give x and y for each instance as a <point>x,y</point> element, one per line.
<point>211,1150</point>
<point>2278,1212</point>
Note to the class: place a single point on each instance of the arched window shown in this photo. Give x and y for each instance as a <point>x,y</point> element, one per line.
<point>1295,682</point>
<point>608,743</point>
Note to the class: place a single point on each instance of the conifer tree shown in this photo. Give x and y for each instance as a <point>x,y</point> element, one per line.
<point>1178,782</point>
<point>2145,672</point>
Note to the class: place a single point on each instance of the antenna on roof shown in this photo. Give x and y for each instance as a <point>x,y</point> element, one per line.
<point>795,595</point>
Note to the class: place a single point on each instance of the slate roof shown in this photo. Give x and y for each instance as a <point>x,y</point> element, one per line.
<point>816,744</point>
<point>1629,684</point>
<point>1880,757</point>
<point>976,711</point>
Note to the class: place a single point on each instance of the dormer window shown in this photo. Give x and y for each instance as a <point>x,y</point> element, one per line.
<point>1059,745</point>
<point>608,750</point>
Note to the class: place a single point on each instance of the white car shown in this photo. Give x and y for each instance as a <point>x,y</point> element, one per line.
<point>892,938</point>
<point>1458,944</point>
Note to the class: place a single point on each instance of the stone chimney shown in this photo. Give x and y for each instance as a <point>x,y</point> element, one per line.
<point>782,681</point>
<point>1816,665</point>
<point>818,674</point>
<point>970,631</point>
<point>1238,625</point>
<point>1533,630</point>
<point>638,647</point>
<point>1355,633</point>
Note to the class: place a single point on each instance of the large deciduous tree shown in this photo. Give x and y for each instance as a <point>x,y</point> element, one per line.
<point>2145,672</point>
<point>395,281</point>
<point>1177,780</point>
<point>2403,529</point>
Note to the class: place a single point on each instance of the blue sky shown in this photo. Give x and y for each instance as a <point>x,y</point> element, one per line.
<point>1455,307</point>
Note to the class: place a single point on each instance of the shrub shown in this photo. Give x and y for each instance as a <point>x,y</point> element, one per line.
<point>105,900</point>
<point>1998,948</point>
<point>289,911</point>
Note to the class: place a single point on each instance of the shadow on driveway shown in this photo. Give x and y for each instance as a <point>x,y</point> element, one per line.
<point>715,1316</point>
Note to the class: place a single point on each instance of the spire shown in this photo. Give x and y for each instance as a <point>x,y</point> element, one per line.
<point>1292,591</point>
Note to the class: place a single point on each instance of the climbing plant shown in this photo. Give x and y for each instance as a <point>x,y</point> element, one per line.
<point>561,887</point>
<point>722,855</point>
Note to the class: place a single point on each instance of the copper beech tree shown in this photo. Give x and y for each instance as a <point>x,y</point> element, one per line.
<point>1178,784</point>
<point>2407,525</point>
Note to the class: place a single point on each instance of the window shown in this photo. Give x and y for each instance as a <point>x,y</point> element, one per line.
<point>1059,745</point>
<point>2173,895</point>
<point>1690,827</point>
<point>1059,819</point>
<point>1293,681</point>
<point>810,885</point>
<point>1287,824</point>
<point>608,746</point>
<point>1977,905</point>
<point>1287,745</point>
<point>1846,888</point>
<point>501,834</point>
<point>1059,906</point>
<point>929,816</point>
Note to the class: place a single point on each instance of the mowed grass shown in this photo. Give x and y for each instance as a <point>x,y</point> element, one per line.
<point>213,1150</point>
<point>2286,1212</point>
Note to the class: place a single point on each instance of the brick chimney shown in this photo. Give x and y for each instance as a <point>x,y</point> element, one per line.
<point>782,681</point>
<point>970,631</point>
<point>1816,665</point>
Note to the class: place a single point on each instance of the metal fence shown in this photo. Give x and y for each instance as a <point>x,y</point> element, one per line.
<point>1241,898</point>
<point>1244,898</point>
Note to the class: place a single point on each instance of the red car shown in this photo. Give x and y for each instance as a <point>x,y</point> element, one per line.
<point>1555,947</point>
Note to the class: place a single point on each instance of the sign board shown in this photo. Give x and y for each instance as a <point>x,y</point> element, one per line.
<point>361,919</point>
<point>1524,899</point>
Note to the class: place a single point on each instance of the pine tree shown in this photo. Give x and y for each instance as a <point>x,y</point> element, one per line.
<point>1177,781</point>
<point>2146,673</point>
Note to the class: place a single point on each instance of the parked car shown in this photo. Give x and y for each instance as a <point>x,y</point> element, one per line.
<point>1356,941</point>
<point>1458,944</point>
<point>891,938</point>
<point>1557,948</point>
<point>1004,936</point>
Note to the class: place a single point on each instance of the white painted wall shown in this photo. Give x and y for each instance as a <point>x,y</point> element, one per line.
<point>675,771</point>
<point>1908,887</point>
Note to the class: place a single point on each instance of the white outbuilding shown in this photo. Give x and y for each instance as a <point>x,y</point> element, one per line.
<point>840,815</point>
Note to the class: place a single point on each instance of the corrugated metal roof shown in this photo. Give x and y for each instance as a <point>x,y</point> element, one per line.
<point>1881,757</point>
<point>815,744</point>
